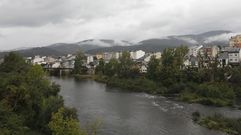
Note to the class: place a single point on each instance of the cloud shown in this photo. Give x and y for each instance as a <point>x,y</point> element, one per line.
<point>190,40</point>
<point>222,37</point>
<point>33,12</point>
<point>42,22</point>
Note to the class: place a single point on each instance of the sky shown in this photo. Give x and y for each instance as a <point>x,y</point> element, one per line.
<point>31,23</point>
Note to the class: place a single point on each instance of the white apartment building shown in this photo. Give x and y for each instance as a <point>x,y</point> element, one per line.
<point>137,54</point>
<point>38,60</point>
<point>90,59</point>
<point>230,55</point>
<point>234,55</point>
<point>157,56</point>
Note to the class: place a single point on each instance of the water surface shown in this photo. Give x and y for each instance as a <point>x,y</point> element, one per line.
<point>124,113</point>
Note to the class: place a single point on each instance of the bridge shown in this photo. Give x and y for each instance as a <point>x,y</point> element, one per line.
<point>59,70</point>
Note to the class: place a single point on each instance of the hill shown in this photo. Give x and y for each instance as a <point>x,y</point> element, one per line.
<point>93,46</point>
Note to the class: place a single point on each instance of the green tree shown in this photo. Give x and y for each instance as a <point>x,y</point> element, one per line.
<point>62,124</point>
<point>125,65</point>
<point>172,65</point>
<point>111,68</point>
<point>27,98</point>
<point>101,67</point>
<point>79,67</point>
<point>14,63</point>
<point>180,53</point>
<point>153,68</point>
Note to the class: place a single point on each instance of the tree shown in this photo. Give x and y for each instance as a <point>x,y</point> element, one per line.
<point>172,65</point>
<point>13,62</point>
<point>27,98</point>
<point>79,67</point>
<point>180,53</point>
<point>153,68</point>
<point>125,65</point>
<point>101,67</point>
<point>62,124</point>
<point>110,68</point>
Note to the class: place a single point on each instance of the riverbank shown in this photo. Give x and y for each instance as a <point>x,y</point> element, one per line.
<point>132,85</point>
<point>212,94</point>
<point>230,126</point>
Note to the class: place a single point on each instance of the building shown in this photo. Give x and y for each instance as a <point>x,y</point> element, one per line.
<point>56,65</point>
<point>194,50</point>
<point>223,59</point>
<point>234,55</point>
<point>90,59</point>
<point>235,41</point>
<point>50,60</point>
<point>107,56</point>
<point>209,51</point>
<point>116,55</point>
<point>148,56</point>
<point>191,61</point>
<point>137,54</point>
<point>99,56</point>
<point>143,68</point>
<point>38,60</point>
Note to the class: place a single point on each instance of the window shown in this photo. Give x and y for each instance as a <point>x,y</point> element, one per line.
<point>231,59</point>
<point>236,54</point>
<point>236,59</point>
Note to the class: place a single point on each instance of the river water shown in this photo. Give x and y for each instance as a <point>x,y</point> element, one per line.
<point>124,113</point>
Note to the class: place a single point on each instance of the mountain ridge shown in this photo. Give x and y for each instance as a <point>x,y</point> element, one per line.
<point>92,46</point>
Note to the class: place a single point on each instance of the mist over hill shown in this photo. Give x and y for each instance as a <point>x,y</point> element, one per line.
<point>93,46</point>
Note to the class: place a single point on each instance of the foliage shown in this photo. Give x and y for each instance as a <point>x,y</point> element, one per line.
<point>125,65</point>
<point>133,84</point>
<point>172,65</point>
<point>218,94</point>
<point>101,67</point>
<point>208,84</point>
<point>195,116</point>
<point>153,69</point>
<point>111,68</point>
<point>79,67</point>
<point>27,98</point>
<point>63,123</point>
<point>218,122</point>
<point>13,63</point>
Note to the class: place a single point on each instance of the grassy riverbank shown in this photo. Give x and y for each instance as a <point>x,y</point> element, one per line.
<point>133,85</point>
<point>216,94</point>
<point>219,122</point>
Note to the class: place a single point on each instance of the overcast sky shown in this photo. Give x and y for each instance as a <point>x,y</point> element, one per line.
<point>28,23</point>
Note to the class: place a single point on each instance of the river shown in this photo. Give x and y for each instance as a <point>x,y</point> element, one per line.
<point>125,113</point>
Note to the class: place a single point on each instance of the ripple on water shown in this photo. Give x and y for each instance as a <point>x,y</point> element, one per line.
<point>148,96</point>
<point>159,106</point>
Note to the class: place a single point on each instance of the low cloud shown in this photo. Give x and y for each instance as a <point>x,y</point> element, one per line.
<point>222,37</point>
<point>189,40</point>
<point>41,22</point>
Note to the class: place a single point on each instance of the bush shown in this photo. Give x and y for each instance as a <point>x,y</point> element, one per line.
<point>196,116</point>
<point>218,122</point>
